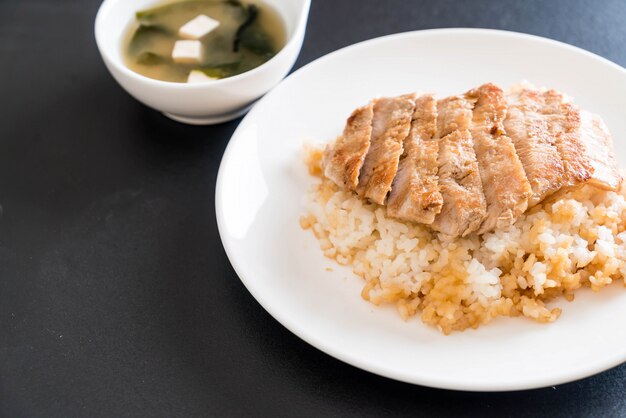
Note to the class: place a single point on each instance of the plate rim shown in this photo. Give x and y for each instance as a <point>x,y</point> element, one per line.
<point>319,344</point>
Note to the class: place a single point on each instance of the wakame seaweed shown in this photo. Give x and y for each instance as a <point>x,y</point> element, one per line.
<point>144,34</point>
<point>252,14</point>
<point>150,58</point>
<point>147,14</point>
<point>252,36</point>
<point>258,41</point>
<point>220,70</point>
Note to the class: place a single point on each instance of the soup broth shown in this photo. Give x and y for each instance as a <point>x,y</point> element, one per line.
<point>249,34</point>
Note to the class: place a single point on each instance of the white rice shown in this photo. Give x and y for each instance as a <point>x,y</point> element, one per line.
<point>557,247</point>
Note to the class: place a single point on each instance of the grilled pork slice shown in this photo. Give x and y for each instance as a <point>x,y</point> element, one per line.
<point>390,126</point>
<point>504,182</point>
<point>464,207</point>
<point>467,163</point>
<point>454,113</point>
<point>564,125</point>
<point>527,123</point>
<point>343,159</point>
<point>584,143</point>
<point>596,137</point>
<point>415,192</point>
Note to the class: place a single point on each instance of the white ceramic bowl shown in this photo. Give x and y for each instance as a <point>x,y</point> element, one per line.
<point>204,103</point>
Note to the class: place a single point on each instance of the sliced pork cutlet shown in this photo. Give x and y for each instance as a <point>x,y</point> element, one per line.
<point>464,207</point>
<point>596,137</point>
<point>454,114</point>
<point>343,159</point>
<point>415,194</point>
<point>390,126</point>
<point>585,144</point>
<point>527,123</point>
<point>565,127</point>
<point>504,181</point>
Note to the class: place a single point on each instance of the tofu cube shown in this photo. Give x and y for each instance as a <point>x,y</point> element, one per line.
<point>196,76</point>
<point>187,51</point>
<point>198,27</point>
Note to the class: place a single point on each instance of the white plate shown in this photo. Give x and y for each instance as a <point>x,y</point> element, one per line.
<point>262,180</point>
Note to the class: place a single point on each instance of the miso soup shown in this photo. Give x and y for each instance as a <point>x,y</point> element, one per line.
<point>213,39</point>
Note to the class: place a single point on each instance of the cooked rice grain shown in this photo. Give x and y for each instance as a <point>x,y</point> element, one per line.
<point>559,246</point>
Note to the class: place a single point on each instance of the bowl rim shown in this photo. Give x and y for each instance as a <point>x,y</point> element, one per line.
<point>120,67</point>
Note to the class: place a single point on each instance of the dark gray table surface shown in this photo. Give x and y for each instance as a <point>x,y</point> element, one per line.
<point>116,296</point>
